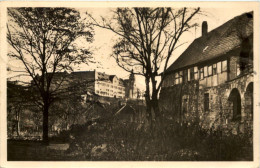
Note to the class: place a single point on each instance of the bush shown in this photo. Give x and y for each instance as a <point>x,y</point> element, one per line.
<point>111,139</point>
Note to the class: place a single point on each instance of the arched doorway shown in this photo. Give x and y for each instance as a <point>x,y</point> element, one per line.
<point>249,100</point>
<point>235,103</point>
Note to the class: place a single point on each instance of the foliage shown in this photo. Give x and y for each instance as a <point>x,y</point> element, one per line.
<point>19,101</point>
<point>147,39</point>
<point>44,41</point>
<point>110,139</point>
<point>114,140</point>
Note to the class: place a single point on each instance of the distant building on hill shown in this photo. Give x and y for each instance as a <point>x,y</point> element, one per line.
<point>101,83</point>
<point>109,85</point>
<point>97,83</point>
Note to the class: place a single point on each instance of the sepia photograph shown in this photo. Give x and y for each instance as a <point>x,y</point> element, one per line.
<point>130,82</point>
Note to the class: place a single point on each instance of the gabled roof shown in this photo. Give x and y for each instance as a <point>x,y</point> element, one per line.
<point>217,42</point>
<point>103,77</point>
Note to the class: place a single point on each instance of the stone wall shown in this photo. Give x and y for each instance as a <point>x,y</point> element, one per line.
<point>185,103</point>
<point>180,101</point>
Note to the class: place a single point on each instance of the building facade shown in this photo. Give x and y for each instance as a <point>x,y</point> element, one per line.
<point>212,81</point>
<point>101,83</point>
<point>107,85</point>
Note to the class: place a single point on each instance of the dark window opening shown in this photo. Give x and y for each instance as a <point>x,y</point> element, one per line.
<point>206,101</point>
<point>249,100</point>
<point>185,75</point>
<point>214,69</point>
<point>192,73</point>
<point>185,104</point>
<point>235,101</point>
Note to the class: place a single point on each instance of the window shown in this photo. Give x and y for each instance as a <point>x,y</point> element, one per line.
<point>188,74</point>
<point>238,69</point>
<point>201,73</point>
<point>219,67</point>
<point>205,71</point>
<point>206,101</point>
<point>192,73</point>
<point>210,70</point>
<point>224,66</point>
<point>196,73</point>
<point>180,76</point>
<point>235,102</point>
<point>185,75</point>
<point>176,78</point>
<point>214,69</point>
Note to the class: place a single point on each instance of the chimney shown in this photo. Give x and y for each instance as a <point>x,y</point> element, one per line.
<point>204,28</point>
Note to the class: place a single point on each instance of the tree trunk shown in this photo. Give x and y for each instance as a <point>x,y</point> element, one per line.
<point>45,122</point>
<point>149,115</point>
<point>155,103</point>
<point>18,122</point>
<point>148,102</point>
<point>156,110</point>
<point>18,128</point>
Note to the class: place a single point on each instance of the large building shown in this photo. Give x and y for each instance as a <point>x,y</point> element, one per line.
<point>102,84</point>
<point>108,85</point>
<point>98,83</point>
<point>212,80</point>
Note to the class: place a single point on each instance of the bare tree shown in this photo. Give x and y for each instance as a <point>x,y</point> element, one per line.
<point>15,105</point>
<point>44,41</point>
<point>148,37</point>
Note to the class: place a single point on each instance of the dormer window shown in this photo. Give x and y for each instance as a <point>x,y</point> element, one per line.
<point>205,48</point>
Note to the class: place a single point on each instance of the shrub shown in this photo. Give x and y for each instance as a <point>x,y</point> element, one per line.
<point>112,139</point>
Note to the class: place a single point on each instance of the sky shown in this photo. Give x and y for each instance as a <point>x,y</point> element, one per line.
<point>104,40</point>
